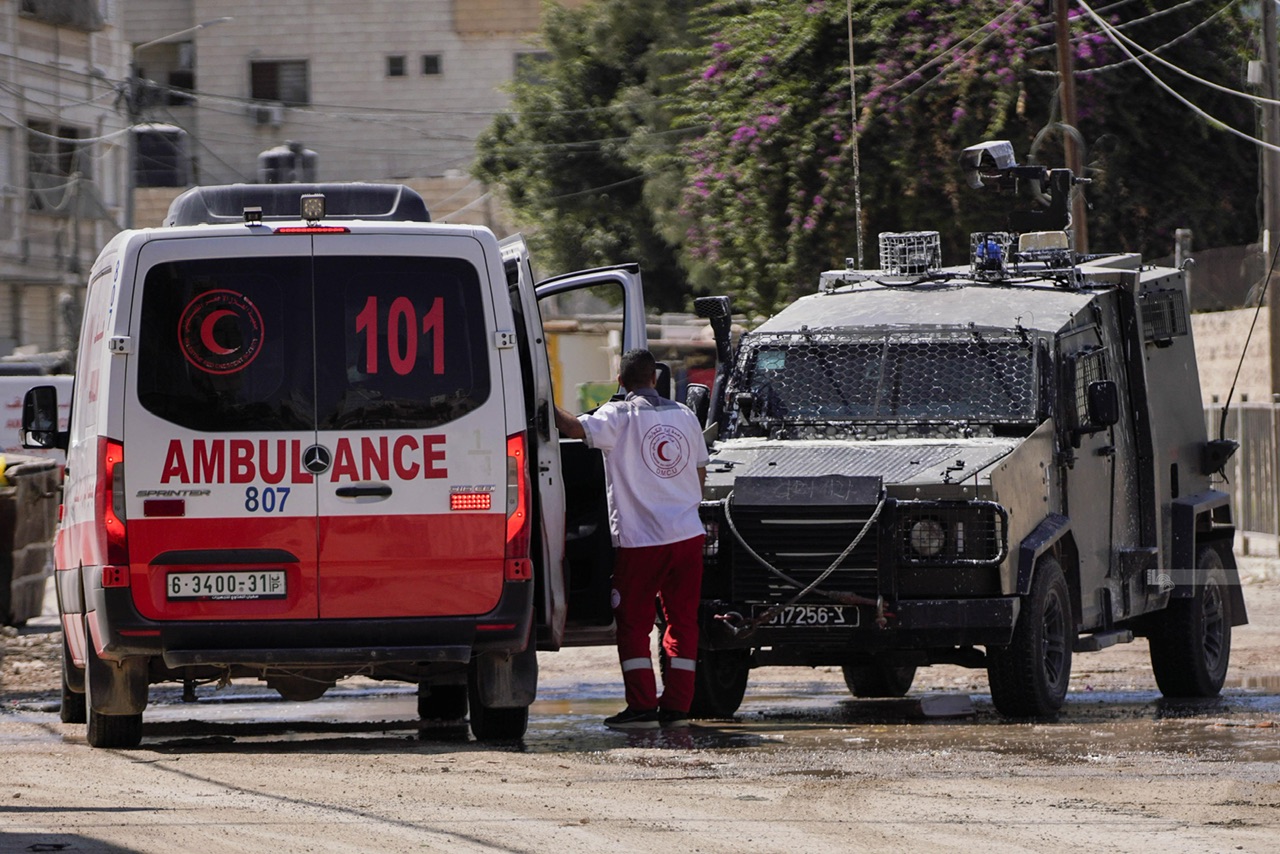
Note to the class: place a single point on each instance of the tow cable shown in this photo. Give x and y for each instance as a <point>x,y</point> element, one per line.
<point>740,626</point>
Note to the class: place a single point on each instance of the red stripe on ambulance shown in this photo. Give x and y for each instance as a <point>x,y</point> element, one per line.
<point>276,460</point>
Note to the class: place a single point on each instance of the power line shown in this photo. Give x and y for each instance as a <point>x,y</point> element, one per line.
<point>1116,39</point>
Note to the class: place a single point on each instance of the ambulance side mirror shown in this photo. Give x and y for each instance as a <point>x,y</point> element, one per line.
<point>40,419</point>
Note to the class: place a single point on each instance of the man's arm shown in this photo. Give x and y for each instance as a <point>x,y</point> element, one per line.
<point>568,425</point>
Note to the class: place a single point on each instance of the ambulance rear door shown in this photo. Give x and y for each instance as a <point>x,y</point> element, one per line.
<point>411,423</point>
<point>219,413</point>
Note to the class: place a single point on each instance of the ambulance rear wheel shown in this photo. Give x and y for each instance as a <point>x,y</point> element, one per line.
<point>73,710</point>
<point>441,702</point>
<point>489,723</point>
<point>108,682</point>
<point>1029,676</point>
<point>871,681</point>
<point>1191,642</point>
<point>720,682</point>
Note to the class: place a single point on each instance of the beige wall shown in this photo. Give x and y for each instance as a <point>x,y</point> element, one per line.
<point>1220,340</point>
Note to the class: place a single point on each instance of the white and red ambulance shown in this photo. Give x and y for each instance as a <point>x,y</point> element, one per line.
<point>311,437</point>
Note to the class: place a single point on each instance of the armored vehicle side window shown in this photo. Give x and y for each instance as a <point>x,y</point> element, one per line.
<point>401,342</point>
<point>226,344</point>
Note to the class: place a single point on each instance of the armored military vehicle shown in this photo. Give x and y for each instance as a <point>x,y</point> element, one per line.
<point>995,465</point>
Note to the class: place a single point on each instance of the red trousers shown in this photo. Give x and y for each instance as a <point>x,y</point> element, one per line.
<point>671,574</point>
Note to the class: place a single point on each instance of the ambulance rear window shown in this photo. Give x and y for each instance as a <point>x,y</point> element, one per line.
<point>401,342</point>
<point>226,344</point>
<point>271,343</point>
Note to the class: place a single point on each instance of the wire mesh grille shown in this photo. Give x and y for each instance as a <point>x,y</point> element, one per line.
<point>1088,366</point>
<point>839,384</point>
<point>910,253</point>
<point>939,533</point>
<point>1164,314</point>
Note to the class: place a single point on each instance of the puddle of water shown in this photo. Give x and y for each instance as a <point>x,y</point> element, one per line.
<point>1263,683</point>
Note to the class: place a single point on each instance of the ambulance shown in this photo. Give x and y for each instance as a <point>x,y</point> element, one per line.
<point>311,437</point>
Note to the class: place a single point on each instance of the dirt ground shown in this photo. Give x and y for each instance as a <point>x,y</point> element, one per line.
<point>803,768</point>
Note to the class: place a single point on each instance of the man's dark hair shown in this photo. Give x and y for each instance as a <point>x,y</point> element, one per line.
<point>637,369</point>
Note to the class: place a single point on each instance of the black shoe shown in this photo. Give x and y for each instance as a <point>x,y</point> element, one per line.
<point>671,719</point>
<point>630,718</point>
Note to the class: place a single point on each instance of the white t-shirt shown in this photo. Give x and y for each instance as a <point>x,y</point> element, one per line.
<point>653,449</point>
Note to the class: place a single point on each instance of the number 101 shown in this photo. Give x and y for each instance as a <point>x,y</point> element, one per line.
<point>402,334</point>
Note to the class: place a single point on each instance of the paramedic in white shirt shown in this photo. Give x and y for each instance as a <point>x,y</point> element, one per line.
<point>655,463</point>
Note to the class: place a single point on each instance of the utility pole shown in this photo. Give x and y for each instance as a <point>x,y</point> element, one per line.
<point>1271,176</point>
<point>1067,96</point>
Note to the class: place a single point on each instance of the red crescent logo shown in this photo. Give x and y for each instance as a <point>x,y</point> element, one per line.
<point>659,450</point>
<point>206,332</point>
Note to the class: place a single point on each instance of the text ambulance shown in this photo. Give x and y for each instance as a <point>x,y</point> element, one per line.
<point>311,437</point>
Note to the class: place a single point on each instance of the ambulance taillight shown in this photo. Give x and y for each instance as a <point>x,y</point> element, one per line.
<point>517,566</point>
<point>110,496</point>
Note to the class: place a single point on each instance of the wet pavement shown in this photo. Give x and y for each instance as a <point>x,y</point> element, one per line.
<point>817,715</point>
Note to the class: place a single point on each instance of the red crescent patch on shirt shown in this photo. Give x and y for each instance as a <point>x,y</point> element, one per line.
<point>665,451</point>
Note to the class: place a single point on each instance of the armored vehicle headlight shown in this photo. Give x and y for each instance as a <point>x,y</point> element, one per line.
<point>928,537</point>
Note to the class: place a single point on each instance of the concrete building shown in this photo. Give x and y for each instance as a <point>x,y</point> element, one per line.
<point>62,159</point>
<point>386,90</point>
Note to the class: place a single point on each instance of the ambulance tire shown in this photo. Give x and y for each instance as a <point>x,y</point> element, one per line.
<point>74,708</point>
<point>1191,639</point>
<point>442,702</point>
<point>109,731</point>
<point>873,681</point>
<point>489,723</point>
<point>1029,677</point>
<point>720,683</point>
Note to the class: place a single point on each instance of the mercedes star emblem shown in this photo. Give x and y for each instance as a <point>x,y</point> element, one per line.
<point>316,459</point>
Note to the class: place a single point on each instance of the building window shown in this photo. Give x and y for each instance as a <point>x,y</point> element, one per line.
<point>285,81</point>
<point>431,63</point>
<point>395,66</point>
<point>55,154</point>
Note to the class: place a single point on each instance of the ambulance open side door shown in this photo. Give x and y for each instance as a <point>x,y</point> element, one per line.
<point>552,572</point>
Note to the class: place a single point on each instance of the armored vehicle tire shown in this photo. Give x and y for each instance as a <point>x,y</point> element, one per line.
<point>489,723</point>
<point>1029,676</point>
<point>877,680</point>
<point>73,709</point>
<point>442,702</point>
<point>1191,640</point>
<point>720,682</point>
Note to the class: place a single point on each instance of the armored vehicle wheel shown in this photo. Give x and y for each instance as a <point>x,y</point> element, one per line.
<point>720,682</point>
<point>1029,676</point>
<point>73,710</point>
<point>878,680</point>
<point>1191,640</point>
<point>489,723</point>
<point>442,702</point>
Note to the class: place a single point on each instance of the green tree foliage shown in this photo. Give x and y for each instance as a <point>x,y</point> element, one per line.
<point>769,199</point>
<point>712,141</point>
<point>566,156</point>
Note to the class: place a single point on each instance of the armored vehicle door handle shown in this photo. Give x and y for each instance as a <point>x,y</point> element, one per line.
<point>1106,451</point>
<point>376,490</point>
